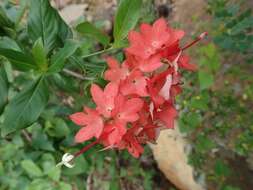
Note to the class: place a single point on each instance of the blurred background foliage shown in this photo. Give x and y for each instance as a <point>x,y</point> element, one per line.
<point>215,107</point>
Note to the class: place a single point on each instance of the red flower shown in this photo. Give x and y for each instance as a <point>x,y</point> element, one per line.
<point>115,132</point>
<point>166,115</point>
<point>149,133</point>
<point>152,38</point>
<point>116,72</point>
<point>183,63</point>
<point>135,83</point>
<point>105,99</point>
<point>145,65</point>
<point>130,142</point>
<point>93,122</point>
<point>126,110</point>
<point>139,99</point>
<point>155,85</point>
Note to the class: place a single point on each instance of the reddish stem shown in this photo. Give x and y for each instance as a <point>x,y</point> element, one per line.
<point>200,37</point>
<point>84,149</point>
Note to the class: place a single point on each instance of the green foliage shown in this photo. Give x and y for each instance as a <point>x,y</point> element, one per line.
<point>6,24</point>
<point>215,115</point>
<point>59,58</point>
<point>39,54</point>
<point>233,24</point>
<point>20,60</point>
<point>205,80</point>
<point>31,168</point>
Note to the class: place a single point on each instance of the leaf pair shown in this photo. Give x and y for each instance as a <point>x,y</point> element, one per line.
<point>57,60</point>
<point>47,29</point>
<point>44,22</point>
<point>38,59</point>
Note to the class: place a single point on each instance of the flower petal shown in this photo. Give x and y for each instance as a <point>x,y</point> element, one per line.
<point>79,118</point>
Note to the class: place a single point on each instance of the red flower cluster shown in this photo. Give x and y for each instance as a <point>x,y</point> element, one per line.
<point>139,99</point>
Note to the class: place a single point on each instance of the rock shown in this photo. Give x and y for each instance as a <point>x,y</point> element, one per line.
<point>171,157</point>
<point>72,12</point>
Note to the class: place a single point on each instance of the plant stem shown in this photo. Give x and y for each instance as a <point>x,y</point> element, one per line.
<point>76,75</point>
<point>26,135</point>
<point>200,37</point>
<point>84,149</point>
<point>98,52</point>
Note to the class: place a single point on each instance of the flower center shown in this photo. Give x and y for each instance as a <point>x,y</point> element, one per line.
<point>149,51</point>
<point>155,44</point>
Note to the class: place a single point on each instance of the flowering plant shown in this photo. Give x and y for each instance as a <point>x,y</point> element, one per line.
<point>137,102</point>
<point>139,99</point>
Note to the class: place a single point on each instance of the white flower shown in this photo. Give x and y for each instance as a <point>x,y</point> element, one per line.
<point>66,158</point>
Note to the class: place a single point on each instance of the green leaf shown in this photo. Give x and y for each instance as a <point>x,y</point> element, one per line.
<point>228,187</point>
<point>126,18</point>
<point>25,108</point>
<point>204,144</point>
<point>64,31</point>
<point>19,60</point>
<point>245,24</point>
<point>44,22</point>
<point>211,59</point>
<point>199,102</point>
<point>206,80</point>
<point>49,167</point>
<point>8,71</point>
<point>39,54</point>
<point>40,184</point>
<point>8,151</point>
<point>58,128</point>
<point>8,43</point>
<point>64,186</point>
<point>58,59</point>
<point>89,29</point>
<point>40,140</point>
<point>221,169</point>
<point>5,21</point>
<point>3,88</point>
<point>6,24</point>
<point>188,122</point>
<point>31,168</point>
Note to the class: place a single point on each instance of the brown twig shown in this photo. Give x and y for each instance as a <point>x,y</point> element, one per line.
<point>89,182</point>
<point>76,75</point>
<point>26,135</point>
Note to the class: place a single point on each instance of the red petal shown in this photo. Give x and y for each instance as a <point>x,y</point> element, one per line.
<point>79,118</point>
<point>167,115</point>
<point>184,63</point>
<point>111,90</point>
<point>112,63</point>
<point>133,105</point>
<point>93,129</point>
<point>97,94</point>
<point>84,134</point>
<point>150,64</point>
